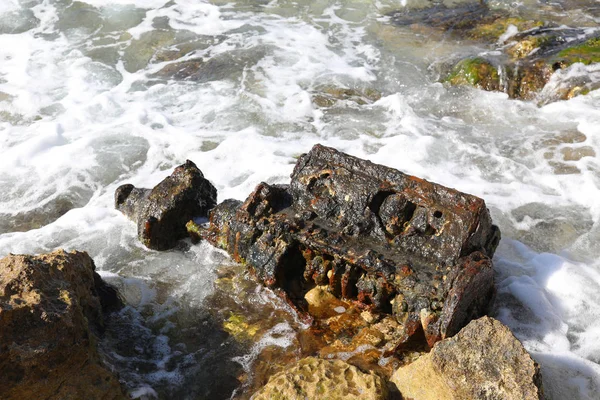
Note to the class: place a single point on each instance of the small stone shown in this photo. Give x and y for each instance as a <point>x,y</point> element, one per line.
<point>577,153</point>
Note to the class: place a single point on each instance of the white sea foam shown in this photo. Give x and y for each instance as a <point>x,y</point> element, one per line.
<point>76,121</point>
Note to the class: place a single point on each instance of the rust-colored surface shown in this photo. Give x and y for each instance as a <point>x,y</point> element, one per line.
<point>387,242</point>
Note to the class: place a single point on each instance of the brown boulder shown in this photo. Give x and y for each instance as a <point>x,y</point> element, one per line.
<point>50,314</point>
<point>483,361</point>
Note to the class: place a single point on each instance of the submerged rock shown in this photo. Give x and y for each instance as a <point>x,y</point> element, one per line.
<point>389,242</point>
<point>526,55</point>
<point>527,61</point>
<point>50,315</point>
<point>327,96</point>
<point>220,67</point>
<point>483,361</point>
<point>313,378</point>
<point>161,213</point>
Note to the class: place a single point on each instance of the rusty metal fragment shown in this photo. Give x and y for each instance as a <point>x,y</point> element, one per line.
<point>161,213</point>
<point>393,243</point>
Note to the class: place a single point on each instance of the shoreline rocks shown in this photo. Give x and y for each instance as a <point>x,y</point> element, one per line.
<point>50,320</point>
<point>384,266</point>
<point>528,57</point>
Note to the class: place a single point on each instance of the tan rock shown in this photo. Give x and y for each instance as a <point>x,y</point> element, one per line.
<point>323,304</point>
<point>313,378</point>
<point>50,308</point>
<point>483,361</point>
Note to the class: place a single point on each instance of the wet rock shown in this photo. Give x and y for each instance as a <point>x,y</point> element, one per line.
<point>529,58</point>
<point>50,318</point>
<point>460,16</point>
<point>328,96</point>
<point>313,378</point>
<point>161,213</point>
<point>483,361</point>
<point>79,16</point>
<point>139,53</point>
<point>389,242</point>
<point>219,67</point>
<point>18,21</point>
<point>498,25</point>
<point>476,72</point>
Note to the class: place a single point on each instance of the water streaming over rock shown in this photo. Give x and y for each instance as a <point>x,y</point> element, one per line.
<point>97,93</point>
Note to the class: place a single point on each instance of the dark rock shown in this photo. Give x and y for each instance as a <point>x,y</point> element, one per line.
<point>460,17</point>
<point>391,242</point>
<point>50,321</point>
<point>161,213</point>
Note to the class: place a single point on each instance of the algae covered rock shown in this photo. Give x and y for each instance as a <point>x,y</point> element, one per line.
<point>392,243</point>
<point>50,316</point>
<point>162,213</point>
<point>483,361</point>
<point>528,64</point>
<point>477,72</point>
<point>313,378</point>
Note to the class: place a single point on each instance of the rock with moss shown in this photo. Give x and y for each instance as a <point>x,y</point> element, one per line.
<point>162,213</point>
<point>51,318</point>
<point>492,29</point>
<point>483,361</point>
<point>312,378</point>
<point>477,72</point>
<point>529,61</point>
<point>586,53</point>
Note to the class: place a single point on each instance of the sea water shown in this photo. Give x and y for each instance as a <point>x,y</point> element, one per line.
<point>87,103</point>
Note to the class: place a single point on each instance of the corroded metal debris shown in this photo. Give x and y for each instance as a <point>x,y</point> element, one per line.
<point>162,213</point>
<point>393,243</point>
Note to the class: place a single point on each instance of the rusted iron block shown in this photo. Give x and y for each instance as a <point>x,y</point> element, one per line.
<point>161,213</point>
<point>391,242</point>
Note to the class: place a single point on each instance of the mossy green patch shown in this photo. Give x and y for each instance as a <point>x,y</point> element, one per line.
<point>587,53</point>
<point>475,71</point>
<point>492,31</point>
<point>239,328</point>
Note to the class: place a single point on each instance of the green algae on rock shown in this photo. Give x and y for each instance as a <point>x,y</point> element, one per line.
<point>477,72</point>
<point>528,64</point>
<point>587,52</point>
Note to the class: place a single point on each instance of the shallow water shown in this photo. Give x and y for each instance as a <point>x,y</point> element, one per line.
<point>93,95</point>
